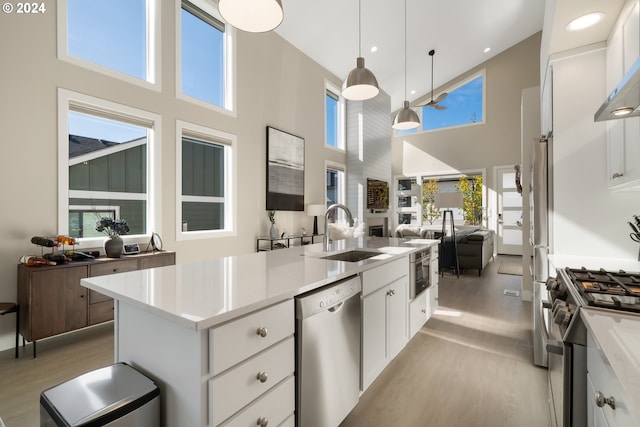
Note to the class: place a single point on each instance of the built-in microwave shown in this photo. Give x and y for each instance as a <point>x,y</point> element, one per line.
<point>419,272</point>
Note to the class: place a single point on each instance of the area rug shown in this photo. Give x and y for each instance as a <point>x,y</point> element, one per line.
<point>510,268</point>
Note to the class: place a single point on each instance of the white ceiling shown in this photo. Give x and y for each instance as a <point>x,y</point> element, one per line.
<point>459,31</point>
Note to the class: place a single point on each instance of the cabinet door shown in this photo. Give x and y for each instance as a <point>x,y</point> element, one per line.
<point>374,347</point>
<point>157,260</point>
<point>397,316</point>
<point>58,301</point>
<point>418,313</point>
<point>595,415</point>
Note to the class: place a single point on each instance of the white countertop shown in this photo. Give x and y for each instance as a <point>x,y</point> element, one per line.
<point>202,294</point>
<point>594,263</point>
<point>617,336</point>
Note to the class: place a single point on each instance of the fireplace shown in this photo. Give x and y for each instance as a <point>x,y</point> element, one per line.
<point>376,230</point>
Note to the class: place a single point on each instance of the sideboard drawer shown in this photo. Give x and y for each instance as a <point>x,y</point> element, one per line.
<point>242,338</point>
<point>113,267</point>
<point>275,406</point>
<point>100,312</point>
<point>236,388</point>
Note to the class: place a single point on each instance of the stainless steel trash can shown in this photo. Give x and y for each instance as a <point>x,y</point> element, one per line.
<point>116,395</point>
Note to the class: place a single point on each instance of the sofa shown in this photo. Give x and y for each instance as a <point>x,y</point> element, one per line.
<point>475,249</point>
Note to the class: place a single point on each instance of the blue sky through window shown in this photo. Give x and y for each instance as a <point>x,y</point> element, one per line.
<point>332,121</point>
<point>202,67</point>
<point>111,33</point>
<point>96,127</point>
<point>464,105</point>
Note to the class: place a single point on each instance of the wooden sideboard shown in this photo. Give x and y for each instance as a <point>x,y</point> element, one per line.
<point>52,300</point>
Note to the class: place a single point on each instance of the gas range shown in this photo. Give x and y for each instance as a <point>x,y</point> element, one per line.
<point>617,290</point>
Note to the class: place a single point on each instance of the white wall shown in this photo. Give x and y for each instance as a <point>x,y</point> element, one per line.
<point>477,147</point>
<point>276,85</point>
<point>588,219</point>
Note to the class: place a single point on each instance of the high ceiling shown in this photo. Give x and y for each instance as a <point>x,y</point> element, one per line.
<point>458,30</point>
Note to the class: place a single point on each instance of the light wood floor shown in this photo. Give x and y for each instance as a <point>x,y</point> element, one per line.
<point>470,365</point>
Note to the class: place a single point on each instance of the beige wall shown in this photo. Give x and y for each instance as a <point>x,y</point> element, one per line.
<point>494,143</point>
<point>276,85</point>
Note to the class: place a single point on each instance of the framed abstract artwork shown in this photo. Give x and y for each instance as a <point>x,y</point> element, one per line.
<point>285,171</point>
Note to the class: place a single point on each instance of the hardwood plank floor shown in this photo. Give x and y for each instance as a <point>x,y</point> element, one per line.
<point>470,365</point>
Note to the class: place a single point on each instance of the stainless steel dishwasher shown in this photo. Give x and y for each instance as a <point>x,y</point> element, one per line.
<point>328,353</point>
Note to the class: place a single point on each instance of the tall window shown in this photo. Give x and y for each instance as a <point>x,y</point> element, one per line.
<point>464,105</point>
<point>205,179</point>
<point>334,117</point>
<point>105,170</point>
<point>335,186</point>
<point>110,35</point>
<point>471,187</point>
<point>202,54</point>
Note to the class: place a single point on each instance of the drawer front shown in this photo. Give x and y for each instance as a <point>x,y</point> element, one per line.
<point>239,386</point>
<point>605,381</point>
<point>97,297</point>
<point>112,267</point>
<point>233,342</point>
<point>381,276</point>
<point>418,315</point>
<point>100,312</point>
<point>157,260</point>
<point>275,407</point>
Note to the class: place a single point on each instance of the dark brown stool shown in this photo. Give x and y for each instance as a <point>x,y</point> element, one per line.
<point>9,307</point>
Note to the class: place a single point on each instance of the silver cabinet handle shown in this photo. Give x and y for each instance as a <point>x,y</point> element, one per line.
<point>601,400</point>
<point>262,421</point>
<point>617,175</point>
<point>262,376</point>
<point>262,331</point>
<point>423,310</point>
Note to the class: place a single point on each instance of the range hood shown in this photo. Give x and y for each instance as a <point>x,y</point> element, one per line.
<point>624,101</point>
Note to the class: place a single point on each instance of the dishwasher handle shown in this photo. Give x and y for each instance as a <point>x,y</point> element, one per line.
<point>328,298</point>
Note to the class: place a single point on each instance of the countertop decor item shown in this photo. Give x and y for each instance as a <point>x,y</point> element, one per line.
<point>315,210</point>
<point>113,246</point>
<point>273,232</point>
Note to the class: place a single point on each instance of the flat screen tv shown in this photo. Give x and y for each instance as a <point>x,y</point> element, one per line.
<point>377,194</point>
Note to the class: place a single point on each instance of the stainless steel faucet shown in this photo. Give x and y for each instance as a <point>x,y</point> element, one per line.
<point>325,238</point>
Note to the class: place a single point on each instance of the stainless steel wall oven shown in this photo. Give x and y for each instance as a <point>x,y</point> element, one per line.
<point>419,272</point>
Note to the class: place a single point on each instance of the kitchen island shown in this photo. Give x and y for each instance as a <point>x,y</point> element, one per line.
<point>202,330</point>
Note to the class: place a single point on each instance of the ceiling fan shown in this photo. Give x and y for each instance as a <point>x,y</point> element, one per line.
<point>434,102</point>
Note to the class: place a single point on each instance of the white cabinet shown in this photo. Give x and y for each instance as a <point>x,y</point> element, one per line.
<point>422,307</point>
<point>623,135</point>
<point>384,316</point>
<point>612,409</point>
<point>231,375</point>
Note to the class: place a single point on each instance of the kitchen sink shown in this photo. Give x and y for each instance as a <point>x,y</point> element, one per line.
<point>352,256</point>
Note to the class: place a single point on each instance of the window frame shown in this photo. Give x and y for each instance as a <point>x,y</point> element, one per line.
<point>153,79</point>
<point>482,73</point>
<point>73,101</point>
<point>229,57</point>
<point>214,136</point>
<point>342,190</point>
<point>341,119</point>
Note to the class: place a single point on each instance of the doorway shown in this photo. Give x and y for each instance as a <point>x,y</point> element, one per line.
<point>509,230</point>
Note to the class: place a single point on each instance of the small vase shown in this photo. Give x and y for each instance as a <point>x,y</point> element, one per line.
<point>113,246</point>
<point>273,233</point>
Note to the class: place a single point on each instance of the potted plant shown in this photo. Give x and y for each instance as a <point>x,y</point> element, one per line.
<point>113,246</point>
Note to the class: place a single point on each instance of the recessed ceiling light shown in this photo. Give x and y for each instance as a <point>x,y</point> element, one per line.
<point>413,92</point>
<point>374,49</point>
<point>585,21</point>
<point>487,49</point>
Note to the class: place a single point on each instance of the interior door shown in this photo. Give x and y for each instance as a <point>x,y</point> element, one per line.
<point>509,210</point>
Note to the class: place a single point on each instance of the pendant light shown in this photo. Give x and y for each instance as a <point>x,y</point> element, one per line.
<point>406,117</point>
<point>360,84</point>
<point>254,16</point>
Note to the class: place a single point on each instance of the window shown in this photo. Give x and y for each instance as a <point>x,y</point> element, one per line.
<point>334,117</point>
<point>106,163</point>
<point>202,72</point>
<point>465,105</point>
<point>335,187</point>
<point>471,187</point>
<point>205,179</point>
<point>111,36</point>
